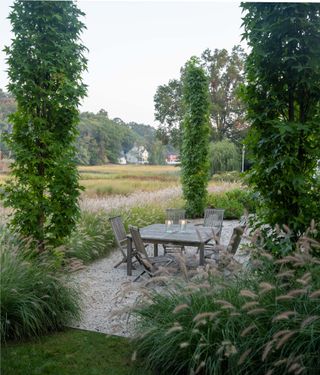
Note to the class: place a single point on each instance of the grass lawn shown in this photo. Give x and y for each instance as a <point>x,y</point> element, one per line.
<point>72,352</point>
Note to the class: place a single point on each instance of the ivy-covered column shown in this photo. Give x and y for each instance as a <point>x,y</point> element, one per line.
<point>195,138</point>
<point>45,62</point>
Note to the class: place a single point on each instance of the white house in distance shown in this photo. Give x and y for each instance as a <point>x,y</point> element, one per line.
<point>138,155</point>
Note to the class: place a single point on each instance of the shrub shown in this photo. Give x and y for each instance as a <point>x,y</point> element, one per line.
<point>234,202</point>
<point>224,156</point>
<point>93,237</point>
<point>34,299</point>
<point>262,322</point>
<point>233,176</point>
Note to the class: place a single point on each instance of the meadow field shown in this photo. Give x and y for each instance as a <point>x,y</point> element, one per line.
<point>112,179</point>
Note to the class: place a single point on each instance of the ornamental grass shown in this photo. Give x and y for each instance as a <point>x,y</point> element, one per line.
<point>262,321</point>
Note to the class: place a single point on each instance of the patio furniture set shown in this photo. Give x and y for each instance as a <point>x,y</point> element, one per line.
<point>174,236</point>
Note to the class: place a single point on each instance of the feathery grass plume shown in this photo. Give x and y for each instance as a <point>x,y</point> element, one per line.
<point>235,314</point>
<point>265,287</point>
<point>175,328</point>
<point>200,323</point>
<point>162,280</point>
<point>280,333</point>
<point>257,311</point>
<point>315,294</point>
<point>308,321</point>
<point>248,293</point>
<point>287,273</point>
<point>284,298</point>
<point>184,345</point>
<point>224,304</point>
<point>280,362</point>
<point>179,308</point>
<point>284,315</point>
<point>284,339</point>
<point>244,356</point>
<point>249,305</point>
<point>247,330</point>
<point>205,315</point>
<point>134,356</point>
<point>269,372</point>
<point>295,366</point>
<point>297,292</point>
<point>267,349</point>
<point>201,365</point>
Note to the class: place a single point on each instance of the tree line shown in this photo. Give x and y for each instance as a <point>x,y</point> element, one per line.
<point>100,139</point>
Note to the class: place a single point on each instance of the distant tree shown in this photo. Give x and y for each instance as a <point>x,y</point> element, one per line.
<point>168,112</point>
<point>195,138</point>
<point>157,153</point>
<point>224,156</point>
<point>45,64</point>
<point>283,100</point>
<point>225,73</point>
<point>7,106</point>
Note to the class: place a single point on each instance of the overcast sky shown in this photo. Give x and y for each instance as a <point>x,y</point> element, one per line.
<point>136,46</point>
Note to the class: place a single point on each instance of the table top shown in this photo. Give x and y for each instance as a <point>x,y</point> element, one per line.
<point>158,233</point>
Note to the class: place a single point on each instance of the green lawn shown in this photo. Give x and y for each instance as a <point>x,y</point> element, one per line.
<point>73,352</point>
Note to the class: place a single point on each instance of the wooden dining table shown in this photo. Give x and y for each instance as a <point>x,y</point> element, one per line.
<point>158,234</point>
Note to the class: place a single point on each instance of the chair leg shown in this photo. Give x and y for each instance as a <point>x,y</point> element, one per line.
<point>138,277</point>
<point>118,264</point>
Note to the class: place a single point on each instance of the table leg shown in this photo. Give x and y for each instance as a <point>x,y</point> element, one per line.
<point>201,254</point>
<point>129,256</point>
<point>155,249</point>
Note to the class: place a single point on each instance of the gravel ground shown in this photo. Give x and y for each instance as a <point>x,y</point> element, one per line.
<point>104,303</point>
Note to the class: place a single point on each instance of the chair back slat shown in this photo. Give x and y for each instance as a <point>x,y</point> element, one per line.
<point>118,229</point>
<point>213,218</point>
<point>235,239</point>
<point>175,215</point>
<point>141,253</point>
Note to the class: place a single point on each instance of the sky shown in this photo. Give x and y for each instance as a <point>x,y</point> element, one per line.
<point>136,46</point>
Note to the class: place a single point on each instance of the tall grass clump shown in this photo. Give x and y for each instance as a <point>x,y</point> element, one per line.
<point>265,321</point>
<point>35,299</point>
<point>235,202</point>
<point>93,237</point>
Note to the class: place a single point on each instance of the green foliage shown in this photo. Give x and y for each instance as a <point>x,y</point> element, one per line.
<point>169,112</point>
<point>69,353</point>
<point>45,63</point>
<point>233,176</point>
<point>266,321</point>
<point>224,156</point>
<point>195,143</point>
<point>7,106</point>
<point>225,76</point>
<point>34,299</point>
<point>93,236</point>
<point>283,100</point>
<point>235,202</point>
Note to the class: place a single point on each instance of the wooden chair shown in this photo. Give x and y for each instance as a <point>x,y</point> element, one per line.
<point>175,215</point>
<point>120,235</point>
<point>213,218</point>
<point>232,246</point>
<point>150,264</point>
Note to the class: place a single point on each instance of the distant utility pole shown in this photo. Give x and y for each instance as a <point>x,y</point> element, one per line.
<point>243,153</point>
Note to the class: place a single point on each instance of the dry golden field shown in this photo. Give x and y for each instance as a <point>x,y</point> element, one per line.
<point>124,180</point>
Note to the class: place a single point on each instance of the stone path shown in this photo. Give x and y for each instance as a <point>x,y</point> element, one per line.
<point>102,288</point>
